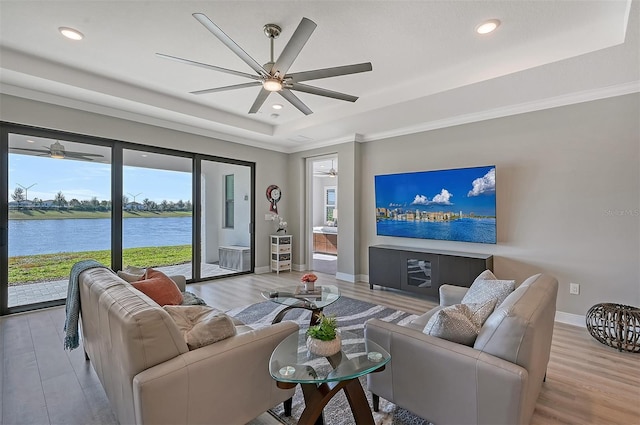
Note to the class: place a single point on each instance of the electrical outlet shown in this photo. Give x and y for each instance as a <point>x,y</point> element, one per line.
<point>574,288</point>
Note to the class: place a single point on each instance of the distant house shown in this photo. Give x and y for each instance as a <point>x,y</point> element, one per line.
<point>20,204</point>
<point>134,206</point>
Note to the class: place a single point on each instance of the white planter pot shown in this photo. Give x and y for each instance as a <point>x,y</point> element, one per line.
<point>324,348</point>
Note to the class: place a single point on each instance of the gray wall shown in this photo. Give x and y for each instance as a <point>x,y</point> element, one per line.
<point>270,166</point>
<point>568,194</point>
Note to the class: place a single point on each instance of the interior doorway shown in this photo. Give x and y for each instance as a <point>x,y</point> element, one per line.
<point>324,215</point>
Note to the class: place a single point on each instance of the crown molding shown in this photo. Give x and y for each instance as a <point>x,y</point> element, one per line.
<point>521,108</point>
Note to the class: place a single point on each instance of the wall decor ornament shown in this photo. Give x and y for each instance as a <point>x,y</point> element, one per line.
<point>273,196</point>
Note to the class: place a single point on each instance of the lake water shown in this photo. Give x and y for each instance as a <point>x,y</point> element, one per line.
<point>31,237</point>
<point>464,230</point>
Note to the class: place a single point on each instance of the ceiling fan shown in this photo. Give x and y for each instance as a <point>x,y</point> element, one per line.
<point>331,173</point>
<point>273,76</point>
<point>57,150</point>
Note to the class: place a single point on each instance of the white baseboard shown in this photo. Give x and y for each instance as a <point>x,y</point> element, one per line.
<point>299,267</point>
<point>362,278</point>
<point>346,277</point>
<point>571,319</point>
<point>262,270</point>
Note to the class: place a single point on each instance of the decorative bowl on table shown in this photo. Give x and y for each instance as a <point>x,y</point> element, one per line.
<point>324,348</point>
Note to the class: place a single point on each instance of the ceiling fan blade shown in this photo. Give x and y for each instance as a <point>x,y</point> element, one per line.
<point>330,72</point>
<point>262,96</point>
<point>294,46</point>
<point>227,41</point>
<point>74,155</point>
<point>225,88</point>
<point>322,92</point>
<point>95,155</point>
<point>207,66</point>
<point>292,99</point>
<point>30,150</point>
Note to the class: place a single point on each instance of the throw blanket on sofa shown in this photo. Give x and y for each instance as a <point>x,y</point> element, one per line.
<point>72,308</point>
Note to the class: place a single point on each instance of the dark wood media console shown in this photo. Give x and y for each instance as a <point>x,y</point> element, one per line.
<point>423,271</point>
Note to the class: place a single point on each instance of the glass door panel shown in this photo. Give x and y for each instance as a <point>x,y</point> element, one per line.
<point>59,214</point>
<point>226,218</point>
<point>157,225</point>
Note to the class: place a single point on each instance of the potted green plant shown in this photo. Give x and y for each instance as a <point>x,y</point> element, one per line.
<point>323,339</point>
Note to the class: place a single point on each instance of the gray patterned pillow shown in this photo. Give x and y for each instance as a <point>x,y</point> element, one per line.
<point>459,323</point>
<point>483,290</point>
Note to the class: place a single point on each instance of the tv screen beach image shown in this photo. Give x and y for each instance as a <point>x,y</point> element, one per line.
<point>455,205</point>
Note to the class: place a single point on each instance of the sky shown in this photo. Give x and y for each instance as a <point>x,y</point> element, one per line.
<point>464,189</point>
<point>83,180</point>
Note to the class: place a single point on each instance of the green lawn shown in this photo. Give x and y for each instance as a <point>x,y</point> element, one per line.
<point>59,214</point>
<point>46,267</point>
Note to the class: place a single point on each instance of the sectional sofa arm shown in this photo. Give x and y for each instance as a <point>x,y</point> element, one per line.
<point>451,294</point>
<point>443,381</point>
<point>180,281</point>
<point>215,383</point>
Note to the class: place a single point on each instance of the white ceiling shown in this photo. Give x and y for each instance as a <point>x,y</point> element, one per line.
<point>430,68</point>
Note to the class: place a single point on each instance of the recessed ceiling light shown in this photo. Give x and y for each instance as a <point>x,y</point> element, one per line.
<point>488,26</point>
<point>71,33</point>
<point>274,116</point>
<point>277,106</point>
<point>144,155</point>
<point>30,141</point>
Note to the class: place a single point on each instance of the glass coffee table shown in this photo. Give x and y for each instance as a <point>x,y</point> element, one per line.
<point>323,377</point>
<point>292,297</point>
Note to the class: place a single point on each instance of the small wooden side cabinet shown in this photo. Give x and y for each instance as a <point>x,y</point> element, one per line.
<point>281,249</point>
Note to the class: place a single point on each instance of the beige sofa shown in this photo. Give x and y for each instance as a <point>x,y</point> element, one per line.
<point>497,381</point>
<point>148,372</point>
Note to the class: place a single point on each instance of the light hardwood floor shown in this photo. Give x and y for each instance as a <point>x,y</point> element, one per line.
<point>587,382</point>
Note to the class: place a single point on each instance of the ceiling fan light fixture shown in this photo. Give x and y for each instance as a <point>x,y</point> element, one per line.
<point>272,84</point>
<point>488,26</point>
<point>71,33</point>
<point>57,151</point>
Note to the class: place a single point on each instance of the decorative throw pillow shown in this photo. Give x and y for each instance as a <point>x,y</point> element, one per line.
<point>159,287</point>
<point>201,325</point>
<point>485,275</point>
<point>459,323</point>
<point>128,277</point>
<point>483,290</point>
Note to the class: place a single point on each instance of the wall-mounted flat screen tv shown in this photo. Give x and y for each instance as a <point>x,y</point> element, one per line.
<point>453,205</point>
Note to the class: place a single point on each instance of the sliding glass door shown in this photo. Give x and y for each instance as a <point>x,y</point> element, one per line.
<point>157,216</point>
<point>226,218</point>
<point>68,197</point>
<point>59,212</point>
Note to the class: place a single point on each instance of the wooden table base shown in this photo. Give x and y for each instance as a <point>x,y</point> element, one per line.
<point>316,398</point>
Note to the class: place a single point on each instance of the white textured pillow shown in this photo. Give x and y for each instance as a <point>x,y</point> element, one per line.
<point>486,275</point>
<point>459,323</point>
<point>484,290</point>
<point>131,274</point>
<point>201,325</point>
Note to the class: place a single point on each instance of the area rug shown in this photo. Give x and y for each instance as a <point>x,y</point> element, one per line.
<point>351,315</point>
